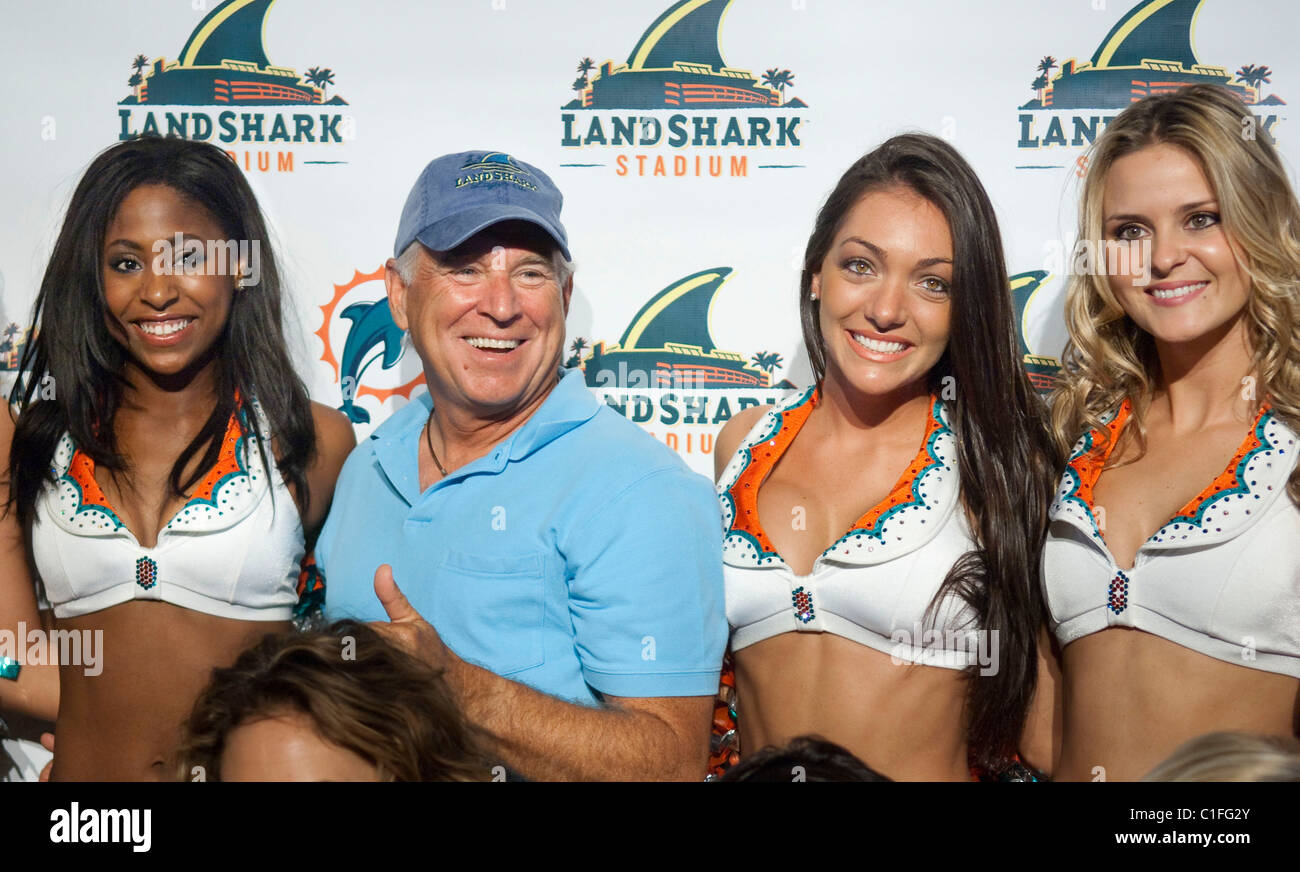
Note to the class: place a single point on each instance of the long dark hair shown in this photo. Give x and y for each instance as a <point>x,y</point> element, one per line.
<point>84,362</point>
<point>1007,461</point>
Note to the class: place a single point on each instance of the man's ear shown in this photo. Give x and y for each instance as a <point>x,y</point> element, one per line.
<point>566,294</point>
<point>396,293</point>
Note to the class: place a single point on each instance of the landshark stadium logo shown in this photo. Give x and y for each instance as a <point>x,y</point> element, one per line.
<point>684,96</point>
<point>495,167</point>
<point>667,374</point>
<point>368,335</point>
<point>224,64</point>
<point>1148,51</point>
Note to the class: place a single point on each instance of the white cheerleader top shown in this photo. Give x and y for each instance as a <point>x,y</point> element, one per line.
<point>875,583</point>
<point>1222,577</point>
<point>233,550</point>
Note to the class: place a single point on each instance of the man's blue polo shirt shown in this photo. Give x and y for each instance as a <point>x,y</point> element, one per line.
<point>578,555</point>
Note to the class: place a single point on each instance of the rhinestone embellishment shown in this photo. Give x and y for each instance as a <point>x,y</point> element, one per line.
<point>803,604</point>
<point>1118,600</point>
<point>146,572</point>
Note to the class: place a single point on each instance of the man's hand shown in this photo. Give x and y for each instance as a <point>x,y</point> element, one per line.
<point>405,627</point>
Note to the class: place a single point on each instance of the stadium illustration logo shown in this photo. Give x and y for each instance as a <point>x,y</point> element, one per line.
<point>1149,51</point>
<point>677,64</point>
<point>495,167</point>
<point>13,341</point>
<point>1042,369</point>
<point>676,68</point>
<point>369,335</point>
<point>668,345</point>
<point>224,64</point>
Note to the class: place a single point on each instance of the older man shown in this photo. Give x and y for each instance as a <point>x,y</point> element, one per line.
<point>570,563</point>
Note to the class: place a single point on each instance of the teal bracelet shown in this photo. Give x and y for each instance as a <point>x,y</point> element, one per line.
<point>9,668</point>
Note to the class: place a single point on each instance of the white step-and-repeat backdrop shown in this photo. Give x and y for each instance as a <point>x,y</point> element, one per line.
<point>694,142</point>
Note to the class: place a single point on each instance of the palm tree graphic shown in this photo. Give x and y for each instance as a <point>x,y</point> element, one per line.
<point>779,79</point>
<point>578,346</point>
<point>321,77</point>
<point>585,66</point>
<point>1039,85</point>
<point>768,362</point>
<point>1045,67</point>
<point>136,80</point>
<point>1253,76</point>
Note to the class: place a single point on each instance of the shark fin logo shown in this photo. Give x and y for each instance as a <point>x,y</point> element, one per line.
<point>1149,51</point>
<point>668,345</point>
<point>677,64</point>
<point>224,62</point>
<point>1043,371</point>
<point>371,335</point>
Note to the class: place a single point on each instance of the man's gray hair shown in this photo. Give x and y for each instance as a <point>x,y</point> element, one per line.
<point>409,259</point>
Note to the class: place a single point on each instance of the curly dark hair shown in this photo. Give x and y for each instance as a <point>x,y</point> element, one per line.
<point>361,692</point>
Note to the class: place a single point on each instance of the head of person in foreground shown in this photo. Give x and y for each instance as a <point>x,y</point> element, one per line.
<point>338,705</point>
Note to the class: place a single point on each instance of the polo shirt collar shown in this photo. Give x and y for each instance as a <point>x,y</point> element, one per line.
<point>396,442</point>
<point>569,405</point>
<point>396,449</point>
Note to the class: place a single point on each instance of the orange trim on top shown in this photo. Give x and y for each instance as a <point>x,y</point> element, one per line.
<point>81,469</point>
<point>902,490</point>
<point>1088,466</point>
<point>764,456</point>
<point>1227,480</point>
<point>227,462</point>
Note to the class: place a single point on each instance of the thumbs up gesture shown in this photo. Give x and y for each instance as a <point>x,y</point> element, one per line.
<point>406,628</point>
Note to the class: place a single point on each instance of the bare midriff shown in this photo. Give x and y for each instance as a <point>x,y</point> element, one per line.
<point>1131,698</point>
<point>124,723</point>
<point>903,720</point>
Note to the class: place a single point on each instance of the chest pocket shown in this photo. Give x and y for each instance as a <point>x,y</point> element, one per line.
<point>490,609</point>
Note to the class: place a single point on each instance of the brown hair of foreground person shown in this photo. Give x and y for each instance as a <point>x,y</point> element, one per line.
<point>360,693</point>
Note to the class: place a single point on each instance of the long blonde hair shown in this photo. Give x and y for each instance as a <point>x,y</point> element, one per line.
<point>1108,357</point>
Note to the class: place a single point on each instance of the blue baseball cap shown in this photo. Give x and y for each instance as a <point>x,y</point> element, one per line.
<point>458,195</point>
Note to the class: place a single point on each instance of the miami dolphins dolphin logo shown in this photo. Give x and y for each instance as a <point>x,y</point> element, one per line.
<point>371,328</point>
